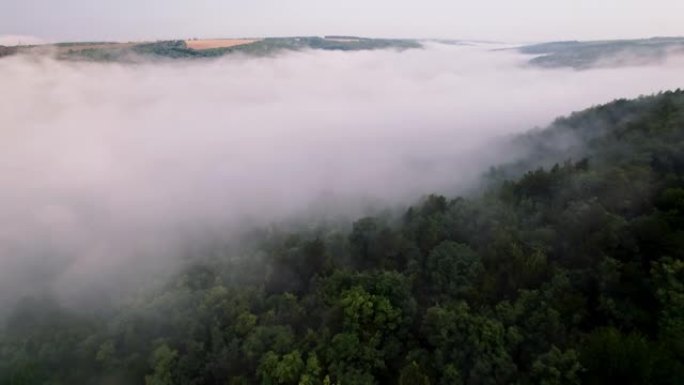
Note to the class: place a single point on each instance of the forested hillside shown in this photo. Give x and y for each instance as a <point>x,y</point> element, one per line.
<point>604,53</point>
<point>567,269</point>
<point>179,49</point>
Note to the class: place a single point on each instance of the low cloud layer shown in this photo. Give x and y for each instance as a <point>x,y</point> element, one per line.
<point>107,166</point>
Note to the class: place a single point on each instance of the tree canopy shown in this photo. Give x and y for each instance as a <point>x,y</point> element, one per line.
<point>567,268</point>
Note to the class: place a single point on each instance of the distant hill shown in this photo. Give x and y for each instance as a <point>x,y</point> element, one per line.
<point>194,49</point>
<point>572,54</point>
<point>604,53</point>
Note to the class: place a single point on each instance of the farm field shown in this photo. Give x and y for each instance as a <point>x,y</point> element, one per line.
<point>203,44</point>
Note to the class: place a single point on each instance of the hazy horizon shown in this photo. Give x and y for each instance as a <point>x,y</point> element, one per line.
<point>494,20</point>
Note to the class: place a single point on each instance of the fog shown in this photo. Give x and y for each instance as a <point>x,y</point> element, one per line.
<point>108,169</point>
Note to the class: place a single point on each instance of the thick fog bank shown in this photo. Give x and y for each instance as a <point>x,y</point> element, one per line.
<point>108,169</point>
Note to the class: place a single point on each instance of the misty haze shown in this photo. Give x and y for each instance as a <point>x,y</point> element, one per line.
<point>340,209</point>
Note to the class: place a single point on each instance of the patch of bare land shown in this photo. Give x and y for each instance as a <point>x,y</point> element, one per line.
<point>217,43</point>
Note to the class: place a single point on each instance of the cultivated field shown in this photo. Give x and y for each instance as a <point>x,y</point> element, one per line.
<point>217,43</point>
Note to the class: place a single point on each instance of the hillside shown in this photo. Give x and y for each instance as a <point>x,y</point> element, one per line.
<point>578,55</point>
<point>568,268</point>
<point>605,53</point>
<point>183,49</point>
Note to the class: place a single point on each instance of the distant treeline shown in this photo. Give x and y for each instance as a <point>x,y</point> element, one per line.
<point>604,53</point>
<point>178,49</point>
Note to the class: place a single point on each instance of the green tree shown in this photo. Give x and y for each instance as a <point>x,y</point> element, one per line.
<point>163,362</point>
<point>452,270</point>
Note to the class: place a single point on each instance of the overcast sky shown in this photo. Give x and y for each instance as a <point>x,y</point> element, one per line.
<point>503,20</point>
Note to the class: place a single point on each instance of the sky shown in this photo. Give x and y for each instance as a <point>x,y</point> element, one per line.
<point>497,20</point>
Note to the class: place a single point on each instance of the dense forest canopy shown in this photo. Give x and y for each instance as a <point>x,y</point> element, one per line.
<point>568,268</point>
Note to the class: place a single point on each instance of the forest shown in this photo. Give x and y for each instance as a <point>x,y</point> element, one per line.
<point>178,49</point>
<point>565,267</point>
<point>582,55</point>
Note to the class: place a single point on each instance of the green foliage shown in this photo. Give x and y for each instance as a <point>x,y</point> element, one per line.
<point>562,271</point>
<point>281,370</point>
<point>557,368</point>
<point>412,374</point>
<point>452,270</point>
<point>163,362</point>
<point>609,354</point>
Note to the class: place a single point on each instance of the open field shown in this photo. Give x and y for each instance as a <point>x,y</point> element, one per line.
<point>217,43</point>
